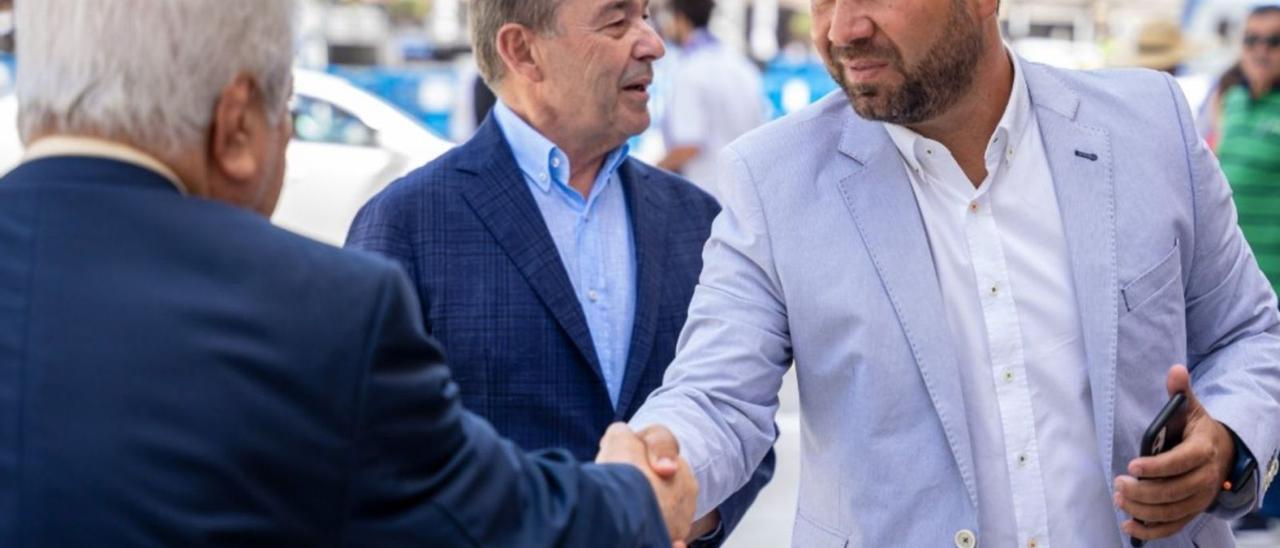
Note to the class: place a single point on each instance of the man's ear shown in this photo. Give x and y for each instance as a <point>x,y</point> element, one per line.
<point>232,135</point>
<point>987,8</point>
<point>516,46</point>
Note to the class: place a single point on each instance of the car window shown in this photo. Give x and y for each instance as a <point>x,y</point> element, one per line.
<point>318,121</point>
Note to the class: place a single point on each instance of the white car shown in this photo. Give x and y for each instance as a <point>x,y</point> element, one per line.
<point>347,146</point>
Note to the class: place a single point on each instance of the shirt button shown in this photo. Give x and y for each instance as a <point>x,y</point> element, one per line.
<point>1022,459</point>
<point>593,295</point>
<point>973,207</point>
<point>995,291</point>
<point>1008,375</point>
<point>555,162</point>
<point>1032,543</point>
<point>542,177</point>
<point>966,539</point>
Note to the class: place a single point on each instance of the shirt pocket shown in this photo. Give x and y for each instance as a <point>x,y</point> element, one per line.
<point>1154,280</point>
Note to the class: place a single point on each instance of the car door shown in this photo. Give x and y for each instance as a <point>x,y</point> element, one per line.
<point>335,164</point>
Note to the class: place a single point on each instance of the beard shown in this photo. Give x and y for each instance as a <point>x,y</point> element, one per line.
<point>930,87</point>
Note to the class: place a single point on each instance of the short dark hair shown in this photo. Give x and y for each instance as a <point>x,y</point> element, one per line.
<point>1265,9</point>
<point>698,12</point>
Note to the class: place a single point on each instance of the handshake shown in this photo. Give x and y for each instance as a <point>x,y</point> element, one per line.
<point>655,452</point>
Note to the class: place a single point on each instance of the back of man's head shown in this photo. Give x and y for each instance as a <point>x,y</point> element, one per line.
<point>145,72</point>
<point>698,12</point>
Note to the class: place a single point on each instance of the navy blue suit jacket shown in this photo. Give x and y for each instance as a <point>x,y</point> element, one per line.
<point>495,292</point>
<point>177,372</point>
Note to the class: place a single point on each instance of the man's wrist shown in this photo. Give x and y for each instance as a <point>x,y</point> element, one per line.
<point>1240,488</point>
<point>714,529</point>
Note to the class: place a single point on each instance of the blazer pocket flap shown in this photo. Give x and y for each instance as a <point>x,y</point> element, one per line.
<point>808,533</point>
<point>1153,280</point>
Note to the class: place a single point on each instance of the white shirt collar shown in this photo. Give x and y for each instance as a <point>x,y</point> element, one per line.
<point>65,145</point>
<point>917,149</point>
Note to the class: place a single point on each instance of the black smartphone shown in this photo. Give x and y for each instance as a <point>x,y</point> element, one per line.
<point>1164,433</point>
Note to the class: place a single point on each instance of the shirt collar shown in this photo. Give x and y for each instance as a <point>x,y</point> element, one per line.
<point>540,159</point>
<point>916,149</point>
<point>65,145</point>
<point>701,38</point>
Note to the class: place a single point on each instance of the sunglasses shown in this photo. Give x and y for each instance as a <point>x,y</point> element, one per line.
<point>1272,41</point>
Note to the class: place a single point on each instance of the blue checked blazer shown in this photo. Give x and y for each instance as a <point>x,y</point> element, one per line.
<point>494,291</point>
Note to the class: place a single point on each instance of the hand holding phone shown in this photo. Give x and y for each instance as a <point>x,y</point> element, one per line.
<point>1164,433</point>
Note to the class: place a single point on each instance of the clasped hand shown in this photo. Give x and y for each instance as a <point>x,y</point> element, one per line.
<point>655,452</point>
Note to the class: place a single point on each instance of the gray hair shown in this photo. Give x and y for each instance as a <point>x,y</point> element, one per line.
<point>148,72</point>
<point>488,16</point>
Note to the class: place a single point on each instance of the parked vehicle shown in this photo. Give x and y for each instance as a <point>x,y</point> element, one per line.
<point>347,146</point>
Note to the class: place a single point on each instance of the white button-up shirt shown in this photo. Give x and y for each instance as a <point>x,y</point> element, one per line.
<point>1001,258</point>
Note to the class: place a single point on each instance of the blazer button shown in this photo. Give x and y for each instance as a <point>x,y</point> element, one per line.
<point>966,539</point>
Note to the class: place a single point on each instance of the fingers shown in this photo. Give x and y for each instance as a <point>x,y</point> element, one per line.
<point>1175,502</point>
<point>620,444</point>
<point>1194,451</point>
<point>1153,531</point>
<point>1178,380</point>
<point>663,450</point>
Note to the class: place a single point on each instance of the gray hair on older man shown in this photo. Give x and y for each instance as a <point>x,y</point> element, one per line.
<point>489,16</point>
<point>146,72</point>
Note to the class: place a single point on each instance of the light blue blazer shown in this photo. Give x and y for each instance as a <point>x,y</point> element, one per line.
<point>821,257</point>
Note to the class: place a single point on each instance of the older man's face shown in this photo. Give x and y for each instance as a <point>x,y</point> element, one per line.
<point>1261,59</point>
<point>899,61</point>
<point>598,67</point>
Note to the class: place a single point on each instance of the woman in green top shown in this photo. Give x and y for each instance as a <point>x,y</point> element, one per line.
<point>1249,143</point>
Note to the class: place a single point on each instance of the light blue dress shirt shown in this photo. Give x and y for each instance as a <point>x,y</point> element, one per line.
<point>592,234</point>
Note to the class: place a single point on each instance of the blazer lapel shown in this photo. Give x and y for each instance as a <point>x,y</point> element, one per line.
<point>878,194</point>
<point>1081,163</point>
<point>501,199</point>
<point>649,211</point>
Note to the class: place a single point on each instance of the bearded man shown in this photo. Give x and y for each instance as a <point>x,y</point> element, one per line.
<point>985,273</point>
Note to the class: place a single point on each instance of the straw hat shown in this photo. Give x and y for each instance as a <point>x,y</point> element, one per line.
<point>1160,46</point>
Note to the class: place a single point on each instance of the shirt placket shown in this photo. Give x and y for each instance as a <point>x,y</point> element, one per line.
<point>1008,368</point>
<point>593,262</point>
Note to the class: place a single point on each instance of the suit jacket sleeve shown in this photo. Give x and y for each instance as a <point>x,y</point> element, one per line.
<point>425,472</point>
<point>1233,332</point>
<point>720,395</point>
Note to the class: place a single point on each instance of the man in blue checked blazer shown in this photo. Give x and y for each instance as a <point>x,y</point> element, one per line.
<point>555,269</point>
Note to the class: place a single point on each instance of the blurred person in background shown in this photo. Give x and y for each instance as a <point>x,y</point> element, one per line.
<point>1249,141</point>
<point>176,371</point>
<point>555,268</point>
<point>1161,46</point>
<point>716,96</point>
<point>6,26</point>
<point>1249,149</point>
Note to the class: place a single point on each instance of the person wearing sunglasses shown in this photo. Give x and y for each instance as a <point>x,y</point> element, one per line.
<point>1249,151</point>
<point>1249,146</point>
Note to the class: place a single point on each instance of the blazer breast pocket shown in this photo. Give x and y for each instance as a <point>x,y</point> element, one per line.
<point>1154,280</point>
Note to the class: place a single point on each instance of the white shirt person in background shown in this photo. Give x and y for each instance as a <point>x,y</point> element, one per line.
<point>717,96</point>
